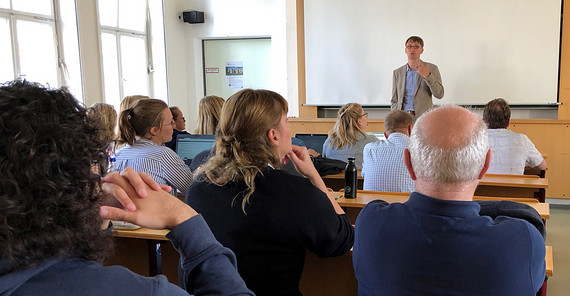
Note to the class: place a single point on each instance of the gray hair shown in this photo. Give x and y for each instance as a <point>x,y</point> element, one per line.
<point>439,165</point>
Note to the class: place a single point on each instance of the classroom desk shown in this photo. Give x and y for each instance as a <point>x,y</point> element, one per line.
<point>321,276</point>
<point>491,185</point>
<point>353,206</point>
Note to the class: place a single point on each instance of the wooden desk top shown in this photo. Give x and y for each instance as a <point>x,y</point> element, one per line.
<point>364,197</point>
<point>549,261</point>
<point>143,233</point>
<point>521,181</point>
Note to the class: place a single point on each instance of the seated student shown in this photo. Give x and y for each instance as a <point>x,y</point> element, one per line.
<point>511,151</point>
<point>347,138</point>
<point>209,110</point>
<point>383,168</point>
<point>438,242</point>
<point>145,127</point>
<point>177,128</point>
<point>106,115</point>
<point>268,217</point>
<point>51,201</point>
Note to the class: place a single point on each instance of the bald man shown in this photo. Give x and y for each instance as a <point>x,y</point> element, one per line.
<point>440,242</point>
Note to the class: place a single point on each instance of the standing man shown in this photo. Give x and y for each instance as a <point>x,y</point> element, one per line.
<point>383,167</point>
<point>415,82</point>
<point>441,242</point>
<point>178,127</point>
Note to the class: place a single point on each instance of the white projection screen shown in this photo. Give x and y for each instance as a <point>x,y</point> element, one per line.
<point>484,49</point>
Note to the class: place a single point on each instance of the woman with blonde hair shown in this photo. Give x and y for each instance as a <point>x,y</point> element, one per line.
<point>267,216</point>
<point>347,138</point>
<point>209,115</point>
<point>144,128</point>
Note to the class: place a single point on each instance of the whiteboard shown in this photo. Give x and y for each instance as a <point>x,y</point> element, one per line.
<point>484,49</point>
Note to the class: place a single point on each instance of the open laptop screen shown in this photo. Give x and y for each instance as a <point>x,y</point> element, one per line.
<point>313,141</point>
<point>187,146</point>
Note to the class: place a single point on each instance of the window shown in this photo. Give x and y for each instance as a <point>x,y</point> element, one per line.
<point>132,49</point>
<point>29,25</point>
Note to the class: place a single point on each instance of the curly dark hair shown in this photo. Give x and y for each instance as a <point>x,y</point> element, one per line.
<point>49,195</point>
<point>497,114</point>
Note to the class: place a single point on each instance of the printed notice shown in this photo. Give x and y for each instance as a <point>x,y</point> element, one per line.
<point>234,75</point>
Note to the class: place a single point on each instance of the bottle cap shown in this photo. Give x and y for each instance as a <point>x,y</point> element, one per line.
<point>351,158</point>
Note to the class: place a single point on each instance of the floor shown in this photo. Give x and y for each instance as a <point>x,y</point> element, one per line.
<point>558,236</point>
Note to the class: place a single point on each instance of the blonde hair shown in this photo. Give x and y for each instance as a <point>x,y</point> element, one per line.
<point>243,149</point>
<point>106,116</point>
<point>209,115</point>
<point>129,101</point>
<point>139,119</point>
<point>346,129</point>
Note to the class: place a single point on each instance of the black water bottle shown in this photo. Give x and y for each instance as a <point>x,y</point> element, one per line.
<point>350,179</point>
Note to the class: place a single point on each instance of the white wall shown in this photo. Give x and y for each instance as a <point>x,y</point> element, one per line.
<point>226,19</point>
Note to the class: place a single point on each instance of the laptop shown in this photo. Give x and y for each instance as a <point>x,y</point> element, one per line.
<point>187,146</point>
<point>313,141</point>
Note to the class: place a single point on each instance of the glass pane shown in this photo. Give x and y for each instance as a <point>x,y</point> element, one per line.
<point>7,69</point>
<point>34,6</point>
<point>71,46</point>
<point>132,15</point>
<point>133,66</point>
<point>110,69</point>
<point>158,51</point>
<point>37,65</point>
<point>5,4</point>
<point>108,12</point>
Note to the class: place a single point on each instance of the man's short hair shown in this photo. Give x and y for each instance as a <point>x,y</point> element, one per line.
<point>447,165</point>
<point>173,111</point>
<point>416,39</point>
<point>497,114</point>
<point>397,120</point>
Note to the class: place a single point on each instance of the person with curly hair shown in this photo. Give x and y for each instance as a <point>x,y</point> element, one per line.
<point>348,137</point>
<point>53,205</point>
<point>267,216</point>
<point>143,130</point>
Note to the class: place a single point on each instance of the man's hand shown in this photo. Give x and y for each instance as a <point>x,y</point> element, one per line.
<point>154,207</point>
<point>118,197</point>
<point>422,69</point>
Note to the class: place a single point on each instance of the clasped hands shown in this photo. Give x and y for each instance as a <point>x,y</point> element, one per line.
<point>138,199</point>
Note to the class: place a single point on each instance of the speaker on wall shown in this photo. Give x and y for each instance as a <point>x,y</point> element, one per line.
<point>193,16</point>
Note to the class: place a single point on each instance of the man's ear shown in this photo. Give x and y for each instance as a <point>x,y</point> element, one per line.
<point>408,163</point>
<point>273,136</point>
<point>410,127</point>
<point>486,165</point>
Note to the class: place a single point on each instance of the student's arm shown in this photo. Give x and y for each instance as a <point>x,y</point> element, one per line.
<point>542,165</point>
<point>209,268</point>
<point>176,171</point>
<point>304,165</point>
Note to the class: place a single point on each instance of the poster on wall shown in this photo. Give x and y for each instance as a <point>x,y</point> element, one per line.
<point>234,74</point>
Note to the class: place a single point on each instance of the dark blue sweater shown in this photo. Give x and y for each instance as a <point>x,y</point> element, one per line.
<point>429,246</point>
<point>209,269</point>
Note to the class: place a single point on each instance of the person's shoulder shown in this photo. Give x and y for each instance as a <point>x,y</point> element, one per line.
<point>399,69</point>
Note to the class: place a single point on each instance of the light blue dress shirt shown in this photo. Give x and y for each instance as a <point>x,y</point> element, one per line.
<point>383,167</point>
<point>410,90</point>
<point>159,162</point>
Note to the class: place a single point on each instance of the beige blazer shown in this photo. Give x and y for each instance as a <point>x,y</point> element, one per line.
<point>425,88</point>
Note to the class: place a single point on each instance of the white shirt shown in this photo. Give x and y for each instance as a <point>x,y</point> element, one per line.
<point>159,162</point>
<point>383,168</point>
<point>511,152</point>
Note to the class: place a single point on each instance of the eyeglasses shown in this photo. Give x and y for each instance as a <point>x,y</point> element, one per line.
<point>365,114</point>
<point>413,46</point>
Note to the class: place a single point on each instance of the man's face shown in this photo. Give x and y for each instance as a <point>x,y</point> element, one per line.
<point>414,50</point>
<point>180,123</point>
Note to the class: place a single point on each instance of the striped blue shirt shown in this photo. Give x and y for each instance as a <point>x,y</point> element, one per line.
<point>159,162</point>
<point>383,168</point>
